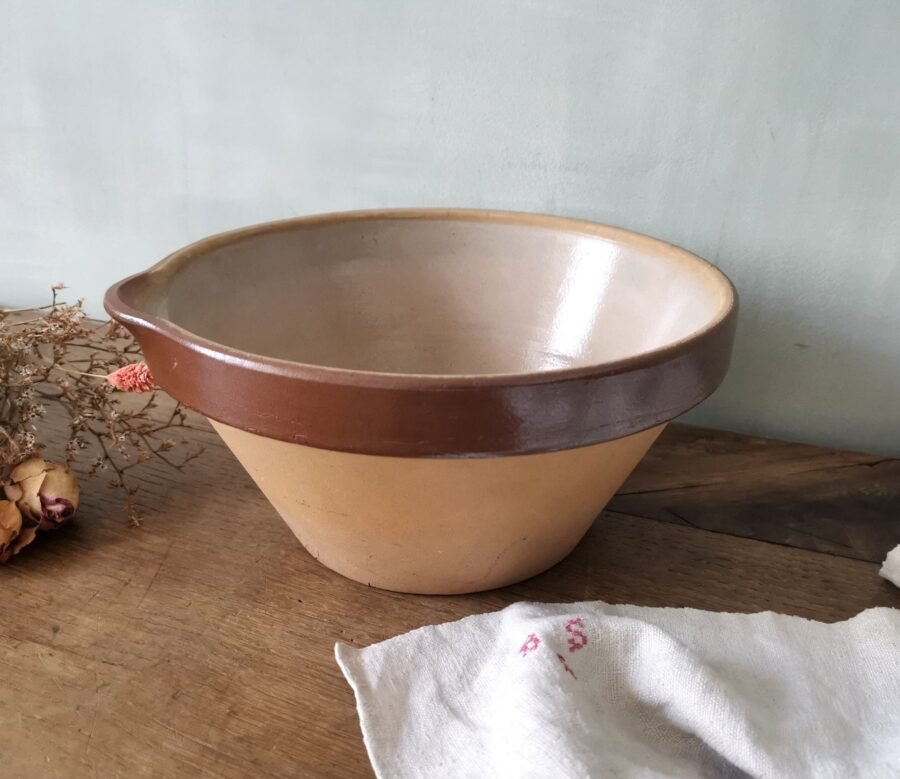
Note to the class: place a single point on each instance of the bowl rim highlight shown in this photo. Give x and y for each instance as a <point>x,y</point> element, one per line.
<point>115,299</point>
<point>203,373</point>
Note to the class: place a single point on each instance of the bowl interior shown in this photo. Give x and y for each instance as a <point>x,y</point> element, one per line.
<point>441,296</point>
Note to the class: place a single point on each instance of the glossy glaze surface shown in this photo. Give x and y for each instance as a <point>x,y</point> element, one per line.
<point>441,297</point>
<point>434,333</point>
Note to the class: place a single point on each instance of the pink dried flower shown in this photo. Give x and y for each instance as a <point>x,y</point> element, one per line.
<point>44,492</point>
<point>135,377</point>
<point>52,353</point>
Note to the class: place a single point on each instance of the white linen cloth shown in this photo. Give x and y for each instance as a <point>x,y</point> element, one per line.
<point>594,690</point>
<point>890,569</point>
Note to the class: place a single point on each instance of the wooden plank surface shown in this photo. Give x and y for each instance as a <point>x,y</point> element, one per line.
<point>825,500</point>
<point>200,645</point>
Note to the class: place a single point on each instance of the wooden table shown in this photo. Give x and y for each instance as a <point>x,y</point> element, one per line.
<point>200,645</point>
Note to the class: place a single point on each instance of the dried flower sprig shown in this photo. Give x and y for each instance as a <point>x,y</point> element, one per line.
<point>132,378</point>
<point>54,354</point>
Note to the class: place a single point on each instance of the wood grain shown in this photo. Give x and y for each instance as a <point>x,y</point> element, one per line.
<point>200,645</point>
<point>826,500</point>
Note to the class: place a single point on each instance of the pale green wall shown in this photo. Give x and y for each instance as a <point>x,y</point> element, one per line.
<point>762,135</point>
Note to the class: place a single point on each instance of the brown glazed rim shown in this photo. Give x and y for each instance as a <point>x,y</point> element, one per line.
<point>427,415</point>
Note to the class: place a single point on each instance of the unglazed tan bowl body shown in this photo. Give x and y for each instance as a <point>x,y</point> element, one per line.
<point>435,401</point>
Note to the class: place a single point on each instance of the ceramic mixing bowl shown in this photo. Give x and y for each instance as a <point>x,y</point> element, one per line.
<point>435,401</point>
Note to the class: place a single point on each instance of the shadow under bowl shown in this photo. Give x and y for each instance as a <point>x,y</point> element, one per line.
<point>435,401</point>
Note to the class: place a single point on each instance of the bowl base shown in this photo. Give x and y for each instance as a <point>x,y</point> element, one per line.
<point>437,526</point>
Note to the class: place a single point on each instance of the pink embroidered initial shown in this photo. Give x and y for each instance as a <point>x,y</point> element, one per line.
<point>578,638</point>
<point>531,643</point>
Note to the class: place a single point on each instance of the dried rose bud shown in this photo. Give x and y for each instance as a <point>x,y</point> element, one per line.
<point>43,491</point>
<point>133,378</point>
<point>13,536</point>
<point>10,527</point>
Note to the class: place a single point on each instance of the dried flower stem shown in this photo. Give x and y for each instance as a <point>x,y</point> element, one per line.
<point>60,357</point>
